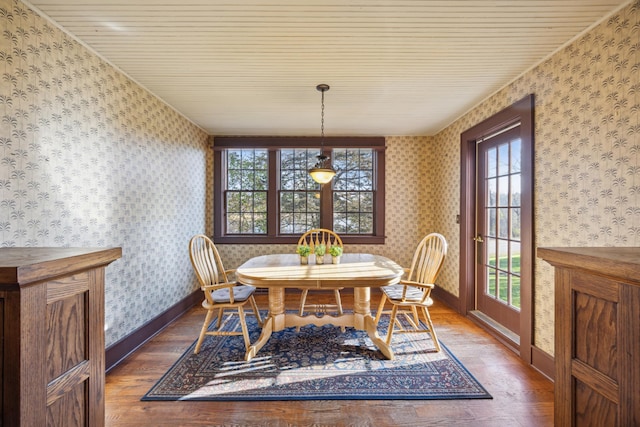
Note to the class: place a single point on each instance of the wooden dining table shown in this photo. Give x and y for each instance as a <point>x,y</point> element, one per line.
<point>356,271</point>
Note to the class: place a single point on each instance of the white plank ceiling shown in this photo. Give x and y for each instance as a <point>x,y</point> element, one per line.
<point>395,67</point>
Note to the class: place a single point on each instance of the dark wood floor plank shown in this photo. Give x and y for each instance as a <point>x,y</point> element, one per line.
<point>521,395</point>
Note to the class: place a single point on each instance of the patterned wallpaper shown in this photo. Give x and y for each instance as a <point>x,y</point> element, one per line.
<point>88,158</point>
<point>587,152</point>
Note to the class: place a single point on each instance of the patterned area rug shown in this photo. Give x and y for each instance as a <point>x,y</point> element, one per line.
<point>317,364</point>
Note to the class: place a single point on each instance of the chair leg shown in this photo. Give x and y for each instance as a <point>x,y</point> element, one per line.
<point>256,311</point>
<point>203,331</point>
<point>245,330</point>
<point>220,316</point>
<point>416,318</point>
<point>303,301</point>
<point>431,330</point>
<point>392,324</point>
<point>383,300</point>
<point>412,318</point>
<point>336,293</point>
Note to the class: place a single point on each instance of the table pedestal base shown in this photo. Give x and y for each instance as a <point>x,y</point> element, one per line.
<point>360,319</point>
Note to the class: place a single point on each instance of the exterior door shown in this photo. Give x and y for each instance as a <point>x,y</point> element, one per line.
<point>498,237</point>
<point>496,225</point>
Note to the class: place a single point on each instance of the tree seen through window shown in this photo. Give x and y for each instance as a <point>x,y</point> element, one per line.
<point>263,191</point>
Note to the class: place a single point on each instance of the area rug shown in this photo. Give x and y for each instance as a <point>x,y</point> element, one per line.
<point>317,363</point>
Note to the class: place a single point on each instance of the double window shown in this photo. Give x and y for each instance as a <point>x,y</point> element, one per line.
<point>263,192</point>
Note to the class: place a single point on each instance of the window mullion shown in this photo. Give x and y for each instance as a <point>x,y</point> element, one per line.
<point>272,194</point>
<point>378,193</point>
<point>326,199</point>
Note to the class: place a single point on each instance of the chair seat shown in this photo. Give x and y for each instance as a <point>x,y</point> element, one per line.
<point>413,295</point>
<point>240,293</point>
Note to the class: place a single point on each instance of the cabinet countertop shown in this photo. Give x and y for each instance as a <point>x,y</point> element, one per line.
<point>619,262</point>
<point>22,266</point>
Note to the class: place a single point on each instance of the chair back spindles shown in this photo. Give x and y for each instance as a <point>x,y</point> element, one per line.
<point>207,261</point>
<point>428,259</point>
<point>318,236</point>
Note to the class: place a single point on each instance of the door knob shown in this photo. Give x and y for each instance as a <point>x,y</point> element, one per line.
<point>479,238</point>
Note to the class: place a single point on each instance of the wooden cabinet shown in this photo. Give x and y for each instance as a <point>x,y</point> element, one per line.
<point>52,336</point>
<point>597,335</point>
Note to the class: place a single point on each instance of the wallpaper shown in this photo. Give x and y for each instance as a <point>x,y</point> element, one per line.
<point>587,152</point>
<point>90,159</point>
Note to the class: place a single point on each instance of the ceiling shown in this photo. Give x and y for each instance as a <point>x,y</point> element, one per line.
<point>395,67</point>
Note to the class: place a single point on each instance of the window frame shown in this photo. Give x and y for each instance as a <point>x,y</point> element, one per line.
<point>273,144</point>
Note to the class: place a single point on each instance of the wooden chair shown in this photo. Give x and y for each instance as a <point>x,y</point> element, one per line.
<point>219,293</point>
<point>413,294</point>
<point>312,238</point>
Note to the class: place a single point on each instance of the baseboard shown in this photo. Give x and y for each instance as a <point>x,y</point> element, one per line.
<point>543,362</point>
<point>445,297</point>
<point>540,361</point>
<point>115,353</point>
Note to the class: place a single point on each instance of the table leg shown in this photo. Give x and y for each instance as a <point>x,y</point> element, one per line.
<point>276,308</point>
<point>273,322</point>
<point>364,321</point>
<point>361,306</point>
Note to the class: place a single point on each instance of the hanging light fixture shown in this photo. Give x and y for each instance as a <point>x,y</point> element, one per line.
<point>322,172</point>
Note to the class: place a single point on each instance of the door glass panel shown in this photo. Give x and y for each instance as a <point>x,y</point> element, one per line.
<point>503,191</point>
<point>492,191</point>
<point>503,223</point>
<point>503,288</point>
<point>490,244</point>
<point>515,223</point>
<point>503,159</point>
<point>515,258</point>
<point>491,222</point>
<point>503,255</point>
<point>516,163</point>
<point>514,190</point>
<point>491,282</point>
<point>515,291</point>
<point>492,162</point>
<point>501,203</point>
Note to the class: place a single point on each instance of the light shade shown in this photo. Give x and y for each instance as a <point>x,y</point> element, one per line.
<point>322,175</point>
<point>322,172</point>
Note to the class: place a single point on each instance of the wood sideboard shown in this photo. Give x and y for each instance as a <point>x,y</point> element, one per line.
<point>52,346</point>
<point>597,335</point>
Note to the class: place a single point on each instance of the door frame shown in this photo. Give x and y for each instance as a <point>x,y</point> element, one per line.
<point>522,111</point>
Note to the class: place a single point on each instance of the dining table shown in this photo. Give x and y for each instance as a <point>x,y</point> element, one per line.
<point>357,271</point>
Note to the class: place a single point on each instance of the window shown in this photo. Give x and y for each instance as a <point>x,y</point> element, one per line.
<point>299,195</point>
<point>263,192</point>
<point>353,191</point>
<point>247,181</point>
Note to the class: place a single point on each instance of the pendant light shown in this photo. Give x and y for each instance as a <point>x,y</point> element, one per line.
<point>322,172</point>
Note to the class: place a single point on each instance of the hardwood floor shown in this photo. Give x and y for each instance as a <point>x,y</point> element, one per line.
<point>521,395</point>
